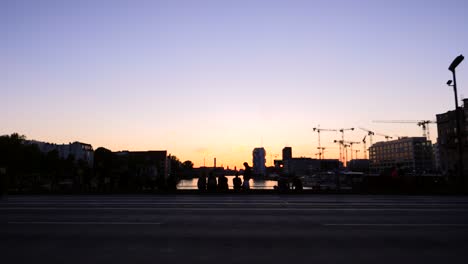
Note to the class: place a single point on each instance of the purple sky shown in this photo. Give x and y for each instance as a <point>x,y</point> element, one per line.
<point>218,78</point>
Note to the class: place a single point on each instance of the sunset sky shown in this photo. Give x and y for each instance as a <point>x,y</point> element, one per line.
<point>206,79</point>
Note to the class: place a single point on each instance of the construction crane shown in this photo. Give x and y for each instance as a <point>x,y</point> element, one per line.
<point>342,131</point>
<point>340,143</point>
<point>318,130</point>
<point>424,124</point>
<point>369,133</point>
<point>387,137</point>
<point>322,152</point>
<point>344,145</point>
<point>351,143</point>
<point>364,147</point>
<point>357,150</point>
<point>345,154</point>
<point>373,133</point>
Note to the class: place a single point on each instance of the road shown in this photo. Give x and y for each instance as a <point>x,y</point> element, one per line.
<point>234,229</point>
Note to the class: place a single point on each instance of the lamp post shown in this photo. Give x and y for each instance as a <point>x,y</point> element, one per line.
<point>452,67</point>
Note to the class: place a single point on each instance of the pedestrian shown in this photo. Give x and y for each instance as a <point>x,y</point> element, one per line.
<point>212,183</point>
<point>223,184</point>
<point>247,176</point>
<point>297,184</point>
<point>201,183</point>
<point>237,183</point>
<point>283,184</point>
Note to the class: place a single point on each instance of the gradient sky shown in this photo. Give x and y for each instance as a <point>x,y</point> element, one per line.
<point>207,79</point>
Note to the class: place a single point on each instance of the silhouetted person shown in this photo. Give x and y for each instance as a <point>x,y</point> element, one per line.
<point>247,176</point>
<point>283,184</point>
<point>171,183</point>
<point>223,184</point>
<point>297,184</point>
<point>212,183</point>
<point>237,183</point>
<point>201,183</point>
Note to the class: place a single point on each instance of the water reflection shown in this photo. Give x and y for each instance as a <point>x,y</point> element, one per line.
<point>188,184</point>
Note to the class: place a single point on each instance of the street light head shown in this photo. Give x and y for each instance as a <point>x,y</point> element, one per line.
<point>455,62</point>
<point>449,82</point>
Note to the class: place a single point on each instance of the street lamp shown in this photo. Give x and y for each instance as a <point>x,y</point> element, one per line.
<point>452,68</point>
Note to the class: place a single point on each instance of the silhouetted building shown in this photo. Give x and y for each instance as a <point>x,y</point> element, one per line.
<point>76,150</point>
<point>259,161</point>
<point>436,156</point>
<point>150,165</point>
<point>411,155</point>
<point>447,140</point>
<point>278,164</point>
<point>359,165</point>
<point>330,164</point>
<point>301,166</point>
<point>304,166</point>
<point>287,153</point>
<point>80,151</point>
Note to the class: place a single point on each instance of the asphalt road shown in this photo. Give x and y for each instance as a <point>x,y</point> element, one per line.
<point>234,229</point>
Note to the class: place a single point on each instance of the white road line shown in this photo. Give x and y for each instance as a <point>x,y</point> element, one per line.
<point>38,201</point>
<point>136,202</point>
<point>231,209</point>
<point>396,225</point>
<point>151,203</point>
<point>81,223</point>
<point>236,203</point>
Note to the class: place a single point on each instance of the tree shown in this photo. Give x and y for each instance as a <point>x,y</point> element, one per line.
<point>176,164</point>
<point>175,170</point>
<point>187,165</point>
<point>103,168</point>
<point>22,162</point>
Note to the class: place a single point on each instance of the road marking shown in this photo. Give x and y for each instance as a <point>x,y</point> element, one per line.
<point>235,203</point>
<point>81,223</point>
<point>396,225</point>
<point>147,203</point>
<point>234,209</point>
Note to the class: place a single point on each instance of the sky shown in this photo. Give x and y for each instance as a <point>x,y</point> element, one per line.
<point>204,79</point>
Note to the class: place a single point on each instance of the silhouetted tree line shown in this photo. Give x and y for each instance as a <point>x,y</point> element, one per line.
<point>25,169</point>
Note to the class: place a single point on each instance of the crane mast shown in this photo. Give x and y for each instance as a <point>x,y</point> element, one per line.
<point>342,131</point>
<point>318,130</point>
